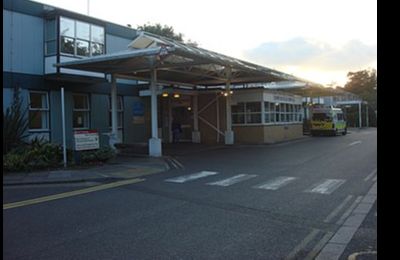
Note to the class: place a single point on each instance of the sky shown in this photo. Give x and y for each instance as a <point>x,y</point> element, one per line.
<point>318,40</point>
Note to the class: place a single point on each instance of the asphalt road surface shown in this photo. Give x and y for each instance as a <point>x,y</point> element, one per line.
<point>283,201</point>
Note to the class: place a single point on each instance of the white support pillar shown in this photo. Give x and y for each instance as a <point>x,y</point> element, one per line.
<point>63,128</point>
<point>217,110</point>
<point>170,138</point>
<point>196,132</point>
<point>359,114</point>
<point>154,141</point>
<point>114,122</point>
<point>229,137</point>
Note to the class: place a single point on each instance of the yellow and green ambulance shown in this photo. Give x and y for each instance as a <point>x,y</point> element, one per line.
<point>328,120</point>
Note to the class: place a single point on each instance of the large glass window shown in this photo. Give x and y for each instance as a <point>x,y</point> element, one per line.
<point>281,113</point>
<point>38,110</point>
<point>82,48</point>
<point>67,45</point>
<point>81,39</point>
<point>82,31</point>
<point>97,34</point>
<point>67,27</point>
<point>50,37</point>
<point>246,113</point>
<point>81,111</point>
<point>269,115</point>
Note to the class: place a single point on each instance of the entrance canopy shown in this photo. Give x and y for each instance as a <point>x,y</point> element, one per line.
<point>177,64</point>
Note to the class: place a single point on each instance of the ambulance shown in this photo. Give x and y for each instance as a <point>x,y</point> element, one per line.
<point>327,121</point>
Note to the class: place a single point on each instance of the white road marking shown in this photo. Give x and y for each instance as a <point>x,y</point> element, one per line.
<point>191,177</point>
<point>337,210</point>
<point>311,255</point>
<point>374,179</point>
<point>370,175</point>
<point>354,256</point>
<point>173,163</point>
<point>349,210</point>
<point>233,180</point>
<point>354,143</point>
<point>276,183</point>
<point>327,186</point>
<point>302,244</point>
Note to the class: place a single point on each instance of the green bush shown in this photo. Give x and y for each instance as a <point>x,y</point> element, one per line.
<point>102,154</point>
<point>15,124</point>
<point>37,155</point>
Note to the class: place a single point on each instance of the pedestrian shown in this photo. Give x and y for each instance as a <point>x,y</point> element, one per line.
<point>176,131</point>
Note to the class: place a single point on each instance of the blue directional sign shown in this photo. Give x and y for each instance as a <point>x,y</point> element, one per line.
<point>138,109</point>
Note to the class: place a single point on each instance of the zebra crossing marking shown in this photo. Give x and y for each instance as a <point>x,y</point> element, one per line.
<point>191,177</point>
<point>326,187</point>
<point>232,180</point>
<point>275,183</point>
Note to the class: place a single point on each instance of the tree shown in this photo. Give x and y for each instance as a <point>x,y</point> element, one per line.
<point>15,124</point>
<point>364,84</point>
<point>166,31</point>
<point>162,30</point>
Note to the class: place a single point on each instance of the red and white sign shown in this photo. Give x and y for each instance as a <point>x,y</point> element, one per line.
<point>86,140</point>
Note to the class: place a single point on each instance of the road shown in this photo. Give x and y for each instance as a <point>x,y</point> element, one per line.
<point>282,201</point>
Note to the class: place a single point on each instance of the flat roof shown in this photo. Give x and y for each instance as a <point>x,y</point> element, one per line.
<point>177,64</point>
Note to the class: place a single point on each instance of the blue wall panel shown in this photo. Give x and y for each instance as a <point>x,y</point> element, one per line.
<point>55,117</point>
<point>99,116</point>
<point>136,133</point>
<point>115,43</point>
<point>22,43</point>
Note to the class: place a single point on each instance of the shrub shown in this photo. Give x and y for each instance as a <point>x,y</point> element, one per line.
<point>102,154</point>
<point>15,124</point>
<point>37,155</point>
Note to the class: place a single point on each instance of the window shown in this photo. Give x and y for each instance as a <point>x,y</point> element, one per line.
<point>253,113</point>
<point>50,37</point>
<point>238,113</point>
<point>280,112</point>
<point>120,111</point>
<point>246,113</point>
<point>38,110</point>
<point>80,39</point>
<point>340,117</point>
<point>120,116</point>
<point>81,111</point>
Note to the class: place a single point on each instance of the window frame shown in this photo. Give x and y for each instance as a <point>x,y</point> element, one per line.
<point>120,111</point>
<point>282,113</point>
<point>46,111</point>
<point>85,110</point>
<point>246,114</point>
<point>55,39</point>
<point>76,38</point>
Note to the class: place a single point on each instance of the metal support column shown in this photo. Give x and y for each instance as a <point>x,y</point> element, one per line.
<point>196,132</point>
<point>229,136</point>
<point>359,115</point>
<point>63,128</point>
<point>154,142</point>
<point>170,138</point>
<point>217,109</point>
<point>114,122</point>
<point>367,119</point>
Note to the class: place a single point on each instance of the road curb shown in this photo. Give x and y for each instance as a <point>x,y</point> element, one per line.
<point>340,240</point>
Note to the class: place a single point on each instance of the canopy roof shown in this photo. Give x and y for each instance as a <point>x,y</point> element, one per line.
<point>178,64</point>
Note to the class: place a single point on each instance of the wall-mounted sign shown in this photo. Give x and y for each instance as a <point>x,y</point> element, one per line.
<point>86,140</point>
<point>138,113</point>
<point>138,109</point>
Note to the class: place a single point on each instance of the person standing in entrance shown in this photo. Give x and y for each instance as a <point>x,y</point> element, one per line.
<point>176,131</point>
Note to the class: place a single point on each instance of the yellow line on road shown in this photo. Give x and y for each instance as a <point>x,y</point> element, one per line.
<point>70,193</point>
